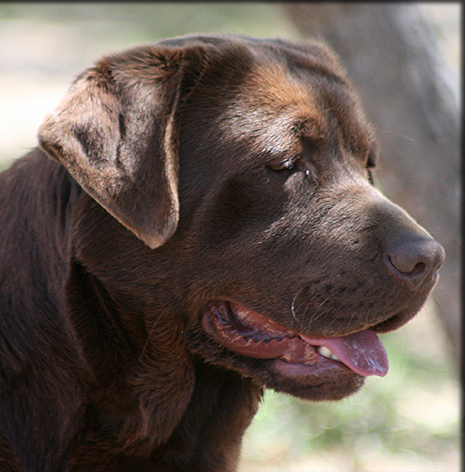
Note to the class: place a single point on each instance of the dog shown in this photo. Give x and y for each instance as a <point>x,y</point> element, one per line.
<point>198,223</point>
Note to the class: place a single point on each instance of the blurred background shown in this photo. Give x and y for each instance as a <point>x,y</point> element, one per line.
<point>404,58</point>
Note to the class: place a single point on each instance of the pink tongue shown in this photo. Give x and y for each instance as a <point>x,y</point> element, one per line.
<point>362,352</point>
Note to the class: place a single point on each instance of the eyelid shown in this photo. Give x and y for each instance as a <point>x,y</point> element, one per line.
<point>288,164</point>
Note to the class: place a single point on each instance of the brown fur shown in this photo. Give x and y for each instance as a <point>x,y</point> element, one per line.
<point>160,187</point>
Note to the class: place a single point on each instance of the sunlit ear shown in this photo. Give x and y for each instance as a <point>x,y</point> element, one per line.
<point>115,133</point>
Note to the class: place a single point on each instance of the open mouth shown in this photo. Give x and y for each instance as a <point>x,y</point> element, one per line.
<point>251,334</point>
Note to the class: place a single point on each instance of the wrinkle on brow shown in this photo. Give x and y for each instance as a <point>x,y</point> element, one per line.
<point>272,111</point>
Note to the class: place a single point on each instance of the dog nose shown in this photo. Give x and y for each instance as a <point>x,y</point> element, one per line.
<point>415,260</point>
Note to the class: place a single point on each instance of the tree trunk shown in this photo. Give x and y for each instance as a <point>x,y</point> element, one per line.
<point>393,59</point>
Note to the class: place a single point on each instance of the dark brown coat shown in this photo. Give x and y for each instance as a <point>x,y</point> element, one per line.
<point>198,222</point>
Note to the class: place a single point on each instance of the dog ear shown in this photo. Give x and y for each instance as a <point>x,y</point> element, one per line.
<point>115,132</point>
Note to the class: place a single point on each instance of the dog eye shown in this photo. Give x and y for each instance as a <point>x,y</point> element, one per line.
<point>289,166</point>
<point>370,165</point>
<point>371,178</point>
<point>371,159</point>
<point>283,166</point>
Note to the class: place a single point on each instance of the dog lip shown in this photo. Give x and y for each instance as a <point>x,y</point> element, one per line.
<point>251,334</point>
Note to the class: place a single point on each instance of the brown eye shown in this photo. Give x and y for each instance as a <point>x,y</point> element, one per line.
<point>371,178</point>
<point>371,164</point>
<point>371,159</point>
<point>289,167</point>
<point>283,166</point>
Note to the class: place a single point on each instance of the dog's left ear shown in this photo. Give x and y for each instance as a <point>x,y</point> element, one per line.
<point>115,132</point>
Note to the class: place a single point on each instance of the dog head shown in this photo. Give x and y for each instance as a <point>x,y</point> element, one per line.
<point>237,173</point>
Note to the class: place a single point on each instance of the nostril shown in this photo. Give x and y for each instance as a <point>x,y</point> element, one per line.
<point>415,259</point>
<point>418,269</point>
<point>407,267</point>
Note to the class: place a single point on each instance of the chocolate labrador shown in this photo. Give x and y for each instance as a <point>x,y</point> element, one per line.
<point>199,223</point>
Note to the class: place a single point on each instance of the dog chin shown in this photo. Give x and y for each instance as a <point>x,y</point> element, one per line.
<point>327,382</point>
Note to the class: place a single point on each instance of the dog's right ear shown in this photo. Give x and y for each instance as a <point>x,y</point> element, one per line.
<point>116,134</point>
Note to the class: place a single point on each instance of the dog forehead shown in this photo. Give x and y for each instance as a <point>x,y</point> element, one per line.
<point>271,109</point>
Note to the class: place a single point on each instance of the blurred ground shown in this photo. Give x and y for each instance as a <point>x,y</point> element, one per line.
<point>405,422</point>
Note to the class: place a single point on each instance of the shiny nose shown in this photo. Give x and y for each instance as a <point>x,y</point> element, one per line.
<point>415,260</point>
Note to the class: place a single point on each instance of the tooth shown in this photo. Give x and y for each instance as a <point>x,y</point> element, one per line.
<point>325,352</point>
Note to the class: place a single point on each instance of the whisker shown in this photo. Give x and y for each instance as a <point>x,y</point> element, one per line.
<point>293,306</point>
<point>408,138</point>
<point>317,316</point>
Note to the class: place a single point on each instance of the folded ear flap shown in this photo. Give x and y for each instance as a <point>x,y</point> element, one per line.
<point>115,132</point>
